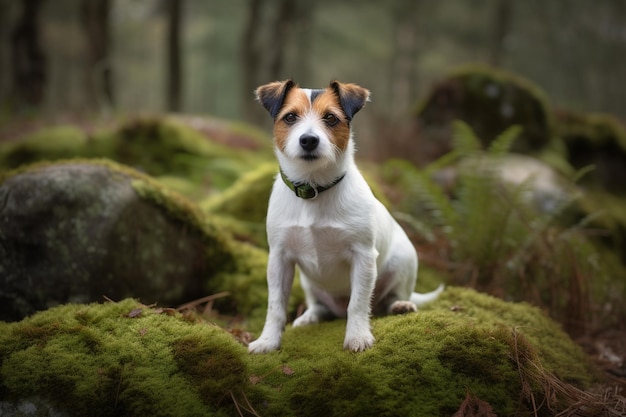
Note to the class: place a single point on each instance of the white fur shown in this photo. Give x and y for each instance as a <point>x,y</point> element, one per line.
<point>344,241</point>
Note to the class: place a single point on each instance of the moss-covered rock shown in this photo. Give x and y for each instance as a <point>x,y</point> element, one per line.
<point>244,204</point>
<point>595,140</point>
<point>49,144</point>
<point>209,154</point>
<point>78,230</point>
<point>488,100</point>
<point>126,359</point>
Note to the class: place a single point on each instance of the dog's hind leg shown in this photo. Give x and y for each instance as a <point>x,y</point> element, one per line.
<point>316,310</point>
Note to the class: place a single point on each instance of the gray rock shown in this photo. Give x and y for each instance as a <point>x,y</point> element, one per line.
<point>75,232</point>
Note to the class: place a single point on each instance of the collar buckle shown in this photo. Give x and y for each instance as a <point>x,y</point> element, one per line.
<point>305,190</point>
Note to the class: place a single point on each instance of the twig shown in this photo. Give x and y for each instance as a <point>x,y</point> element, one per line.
<point>208,298</point>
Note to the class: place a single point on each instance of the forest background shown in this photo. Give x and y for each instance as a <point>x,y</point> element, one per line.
<point>69,59</point>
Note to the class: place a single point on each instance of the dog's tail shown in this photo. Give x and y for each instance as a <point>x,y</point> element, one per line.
<point>419,299</point>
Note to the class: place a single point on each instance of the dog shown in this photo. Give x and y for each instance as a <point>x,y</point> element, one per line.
<point>354,258</point>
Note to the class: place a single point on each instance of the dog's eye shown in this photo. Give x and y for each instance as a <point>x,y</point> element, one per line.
<point>331,119</point>
<point>290,118</point>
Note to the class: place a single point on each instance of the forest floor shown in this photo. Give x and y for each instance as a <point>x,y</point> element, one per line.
<point>606,347</point>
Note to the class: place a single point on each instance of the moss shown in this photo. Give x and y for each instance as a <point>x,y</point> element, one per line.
<point>201,256</point>
<point>490,101</point>
<point>236,267</point>
<point>165,146</point>
<point>128,359</point>
<point>49,144</point>
<point>421,364</point>
<point>99,361</point>
<point>194,191</point>
<point>596,140</point>
<point>156,145</point>
<point>247,199</point>
<point>243,206</point>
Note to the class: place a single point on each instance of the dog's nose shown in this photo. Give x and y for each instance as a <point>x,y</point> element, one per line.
<point>309,142</point>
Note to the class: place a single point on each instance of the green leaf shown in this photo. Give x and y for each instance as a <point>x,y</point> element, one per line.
<point>503,143</point>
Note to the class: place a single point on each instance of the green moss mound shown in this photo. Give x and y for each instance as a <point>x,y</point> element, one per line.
<point>54,143</point>
<point>127,359</point>
<point>247,199</point>
<point>121,360</point>
<point>202,153</point>
<point>243,206</point>
<point>490,101</point>
<point>422,364</point>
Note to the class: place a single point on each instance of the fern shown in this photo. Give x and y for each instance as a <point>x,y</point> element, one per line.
<point>493,238</point>
<point>503,143</point>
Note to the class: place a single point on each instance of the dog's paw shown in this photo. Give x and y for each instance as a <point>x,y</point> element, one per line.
<point>309,317</point>
<point>359,343</point>
<point>263,345</point>
<point>402,307</point>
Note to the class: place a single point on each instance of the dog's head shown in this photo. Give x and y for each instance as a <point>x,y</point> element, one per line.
<point>312,126</point>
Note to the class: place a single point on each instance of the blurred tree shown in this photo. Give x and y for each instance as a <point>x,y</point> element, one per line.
<point>404,58</point>
<point>268,35</point>
<point>503,13</point>
<point>28,62</point>
<point>280,35</point>
<point>304,22</point>
<point>98,73</point>
<point>4,29</point>
<point>174,55</point>
<point>251,59</point>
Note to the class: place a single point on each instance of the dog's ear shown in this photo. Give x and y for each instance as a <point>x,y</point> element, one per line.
<point>351,97</point>
<point>272,95</point>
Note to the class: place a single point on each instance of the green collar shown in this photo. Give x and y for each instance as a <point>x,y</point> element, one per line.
<point>305,190</point>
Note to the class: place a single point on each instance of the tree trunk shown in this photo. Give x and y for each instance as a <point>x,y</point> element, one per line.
<point>304,23</point>
<point>251,58</point>
<point>98,73</point>
<point>27,58</point>
<point>174,58</point>
<point>280,34</point>
<point>403,78</point>
<point>501,29</point>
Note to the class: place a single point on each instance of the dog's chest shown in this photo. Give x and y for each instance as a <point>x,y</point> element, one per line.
<point>318,249</point>
<point>323,246</point>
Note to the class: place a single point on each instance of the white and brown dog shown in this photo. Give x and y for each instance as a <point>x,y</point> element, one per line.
<point>322,216</point>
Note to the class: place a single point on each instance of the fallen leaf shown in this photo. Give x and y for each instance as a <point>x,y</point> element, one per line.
<point>241,336</point>
<point>287,370</point>
<point>167,311</point>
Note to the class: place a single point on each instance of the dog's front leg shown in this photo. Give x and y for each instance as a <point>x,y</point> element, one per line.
<point>362,279</point>
<point>280,272</point>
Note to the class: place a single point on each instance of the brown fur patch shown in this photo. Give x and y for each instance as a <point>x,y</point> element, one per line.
<point>327,102</point>
<point>296,102</point>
